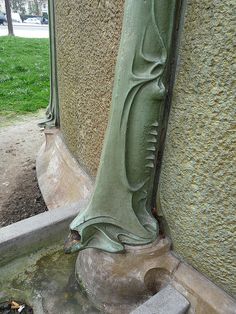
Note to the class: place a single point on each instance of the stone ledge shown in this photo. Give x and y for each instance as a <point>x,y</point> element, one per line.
<point>167,301</point>
<point>123,281</point>
<point>32,234</point>
<point>203,294</point>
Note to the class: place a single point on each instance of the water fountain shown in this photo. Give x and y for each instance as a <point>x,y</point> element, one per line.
<point>123,258</point>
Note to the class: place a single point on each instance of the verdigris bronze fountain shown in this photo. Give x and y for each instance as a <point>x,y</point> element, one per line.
<point>122,259</point>
<point>119,216</point>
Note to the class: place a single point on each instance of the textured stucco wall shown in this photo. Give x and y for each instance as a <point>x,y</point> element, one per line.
<point>88,33</point>
<point>198,174</point>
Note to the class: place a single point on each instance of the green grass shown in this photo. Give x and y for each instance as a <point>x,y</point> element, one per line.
<point>24,75</point>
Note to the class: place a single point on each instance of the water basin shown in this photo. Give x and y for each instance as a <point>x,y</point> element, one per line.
<point>46,281</point>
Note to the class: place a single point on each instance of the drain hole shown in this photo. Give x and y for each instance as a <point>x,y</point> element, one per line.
<point>156,279</point>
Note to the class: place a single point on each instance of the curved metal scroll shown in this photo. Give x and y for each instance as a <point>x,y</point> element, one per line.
<point>52,111</point>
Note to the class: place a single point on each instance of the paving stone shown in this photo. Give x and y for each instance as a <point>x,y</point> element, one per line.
<point>167,301</point>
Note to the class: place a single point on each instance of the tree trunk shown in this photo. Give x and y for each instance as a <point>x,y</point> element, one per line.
<point>9,19</point>
<point>37,11</point>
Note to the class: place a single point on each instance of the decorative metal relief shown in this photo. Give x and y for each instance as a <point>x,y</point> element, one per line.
<point>119,212</point>
<point>52,111</point>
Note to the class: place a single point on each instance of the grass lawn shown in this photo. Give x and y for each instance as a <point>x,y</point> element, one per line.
<point>24,75</point>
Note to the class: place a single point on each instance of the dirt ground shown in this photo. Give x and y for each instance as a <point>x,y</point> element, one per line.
<point>20,196</point>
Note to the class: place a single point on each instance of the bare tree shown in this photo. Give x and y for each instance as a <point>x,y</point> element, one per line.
<point>35,7</point>
<point>9,19</point>
<point>18,6</point>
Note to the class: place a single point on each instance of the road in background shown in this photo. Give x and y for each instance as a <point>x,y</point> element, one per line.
<point>27,30</point>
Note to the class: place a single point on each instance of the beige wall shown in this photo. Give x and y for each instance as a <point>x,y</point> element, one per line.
<point>88,33</point>
<point>198,174</point>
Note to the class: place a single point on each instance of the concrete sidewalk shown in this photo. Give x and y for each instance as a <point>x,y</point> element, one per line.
<point>26,30</point>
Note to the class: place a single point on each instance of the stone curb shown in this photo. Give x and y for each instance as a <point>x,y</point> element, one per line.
<point>34,233</point>
<point>167,301</point>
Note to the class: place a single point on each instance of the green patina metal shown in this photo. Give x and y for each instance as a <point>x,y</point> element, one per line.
<point>120,209</point>
<point>52,112</point>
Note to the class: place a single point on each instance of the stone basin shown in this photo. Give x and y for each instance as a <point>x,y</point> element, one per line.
<point>45,280</point>
<point>34,268</point>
